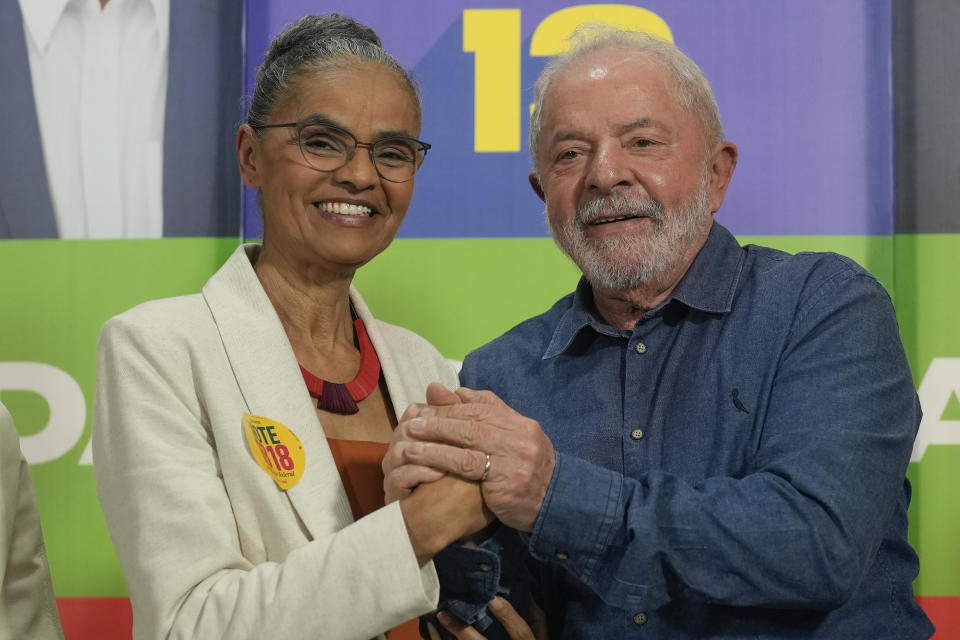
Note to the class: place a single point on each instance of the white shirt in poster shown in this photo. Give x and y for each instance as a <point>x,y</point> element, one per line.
<point>100,86</point>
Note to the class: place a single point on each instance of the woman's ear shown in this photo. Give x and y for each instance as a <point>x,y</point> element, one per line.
<point>248,156</point>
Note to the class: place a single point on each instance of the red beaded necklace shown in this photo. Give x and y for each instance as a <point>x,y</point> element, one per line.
<point>341,398</point>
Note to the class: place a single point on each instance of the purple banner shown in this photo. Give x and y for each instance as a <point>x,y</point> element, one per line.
<point>804,90</point>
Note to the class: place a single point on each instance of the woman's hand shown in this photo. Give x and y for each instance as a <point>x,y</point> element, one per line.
<point>512,622</point>
<point>442,512</point>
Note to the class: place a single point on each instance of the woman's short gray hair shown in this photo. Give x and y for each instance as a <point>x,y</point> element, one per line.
<point>311,44</point>
<point>693,89</point>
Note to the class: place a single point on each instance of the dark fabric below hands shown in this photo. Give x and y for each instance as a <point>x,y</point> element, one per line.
<point>496,563</point>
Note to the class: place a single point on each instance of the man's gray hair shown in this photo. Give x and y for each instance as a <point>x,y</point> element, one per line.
<point>692,87</point>
<point>311,44</point>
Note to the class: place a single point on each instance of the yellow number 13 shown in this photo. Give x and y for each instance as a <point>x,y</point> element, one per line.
<point>493,35</point>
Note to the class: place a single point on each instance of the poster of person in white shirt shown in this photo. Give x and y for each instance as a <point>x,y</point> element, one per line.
<point>119,118</point>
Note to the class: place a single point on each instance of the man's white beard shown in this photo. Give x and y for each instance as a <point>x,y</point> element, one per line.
<point>628,261</point>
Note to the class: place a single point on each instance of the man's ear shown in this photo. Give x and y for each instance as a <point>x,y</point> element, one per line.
<point>248,156</point>
<point>722,163</point>
<point>537,187</point>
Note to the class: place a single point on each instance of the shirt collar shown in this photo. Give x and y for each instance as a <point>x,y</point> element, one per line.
<point>40,17</point>
<point>577,316</point>
<point>709,285</point>
<point>711,281</point>
<point>161,11</point>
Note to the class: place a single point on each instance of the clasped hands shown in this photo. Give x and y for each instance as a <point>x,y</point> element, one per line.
<point>454,433</point>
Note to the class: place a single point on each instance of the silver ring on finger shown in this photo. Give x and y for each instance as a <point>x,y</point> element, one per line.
<point>486,469</point>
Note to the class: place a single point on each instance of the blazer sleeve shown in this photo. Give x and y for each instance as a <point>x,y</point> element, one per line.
<point>27,605</point>
<point>170,515</point>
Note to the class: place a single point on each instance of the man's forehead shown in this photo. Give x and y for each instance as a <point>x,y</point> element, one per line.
<point>609,72</point>
<point>620,70</point>
<point>598,71</point>
<point>614,61</point>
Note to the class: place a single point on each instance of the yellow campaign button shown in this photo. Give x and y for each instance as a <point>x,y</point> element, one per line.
<point>275,448</point>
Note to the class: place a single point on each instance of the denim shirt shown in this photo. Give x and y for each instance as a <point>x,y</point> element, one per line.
<point>732,467</point>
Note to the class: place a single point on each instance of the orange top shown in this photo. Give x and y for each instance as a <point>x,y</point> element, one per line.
<point>358,462</point>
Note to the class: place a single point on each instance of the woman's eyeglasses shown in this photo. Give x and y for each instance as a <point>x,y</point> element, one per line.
<point>326,147</point>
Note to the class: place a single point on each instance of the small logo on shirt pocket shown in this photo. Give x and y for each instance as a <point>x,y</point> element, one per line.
<point>737,402</point>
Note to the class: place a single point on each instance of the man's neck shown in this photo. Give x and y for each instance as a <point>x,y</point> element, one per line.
<point>624,308</point>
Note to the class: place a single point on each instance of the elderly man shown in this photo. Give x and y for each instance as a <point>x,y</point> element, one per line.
<point>703,440</point>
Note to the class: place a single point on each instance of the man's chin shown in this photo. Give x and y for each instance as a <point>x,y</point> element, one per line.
<point>611,263</point>
<point>616,275</point>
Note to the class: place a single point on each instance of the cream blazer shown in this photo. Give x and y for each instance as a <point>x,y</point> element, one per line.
<point>209,545</point>
<point>27,606</point>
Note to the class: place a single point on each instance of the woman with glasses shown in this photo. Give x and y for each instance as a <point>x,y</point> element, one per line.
<point>239,431</point>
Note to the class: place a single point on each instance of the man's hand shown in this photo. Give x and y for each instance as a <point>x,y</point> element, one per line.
<point>456,434</point>
<point>399,476</point>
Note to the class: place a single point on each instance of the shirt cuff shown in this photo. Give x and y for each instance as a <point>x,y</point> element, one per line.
<point>578,517</point>
<point>471,575</point>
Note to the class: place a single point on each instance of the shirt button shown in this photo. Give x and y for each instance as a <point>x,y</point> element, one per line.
<point>641,348</point>
<point>485,567</point>
<point>639,618</point>
<point>636,434</point>
<point>560,555</point>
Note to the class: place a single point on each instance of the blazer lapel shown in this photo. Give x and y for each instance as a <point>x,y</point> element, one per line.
<point>266,371</point>
<point>26,207</point>
<point>400,395</point>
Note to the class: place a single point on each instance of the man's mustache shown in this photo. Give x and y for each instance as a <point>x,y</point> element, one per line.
<point>619,205</point>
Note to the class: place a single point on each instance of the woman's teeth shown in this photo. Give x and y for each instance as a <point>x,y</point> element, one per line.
<point>344,209</point>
